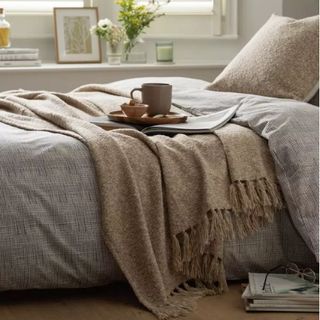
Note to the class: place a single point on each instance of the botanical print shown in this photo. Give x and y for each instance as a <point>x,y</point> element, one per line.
<point>77,37</point>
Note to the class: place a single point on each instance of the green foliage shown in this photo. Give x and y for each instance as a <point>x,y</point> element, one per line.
<point>135,18</point>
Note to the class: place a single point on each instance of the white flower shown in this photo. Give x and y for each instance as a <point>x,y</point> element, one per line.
<point>104,23</point>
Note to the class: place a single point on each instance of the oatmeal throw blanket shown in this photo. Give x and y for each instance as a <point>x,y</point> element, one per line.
<point>167,203</point>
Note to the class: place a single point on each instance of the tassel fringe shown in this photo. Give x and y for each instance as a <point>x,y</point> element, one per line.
<point>254,195</point>
<point>253,206</point>
<point>183,298</point>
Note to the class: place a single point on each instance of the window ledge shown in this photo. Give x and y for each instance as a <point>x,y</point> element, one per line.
<point>54,67</point>
<point>146,36</point>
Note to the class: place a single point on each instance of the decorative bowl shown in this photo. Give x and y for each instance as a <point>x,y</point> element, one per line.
<point>134,110</point>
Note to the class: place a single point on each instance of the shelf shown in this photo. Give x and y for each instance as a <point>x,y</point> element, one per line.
<point>54,67</point>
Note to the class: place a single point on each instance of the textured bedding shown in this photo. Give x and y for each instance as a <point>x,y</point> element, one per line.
<point>33,242</point>
<point>292,130</point>
<point>162,200</point>
<point>50,224</point>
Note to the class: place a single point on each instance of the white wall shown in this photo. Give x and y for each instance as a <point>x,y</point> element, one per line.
<point>300,8</point>
<point>251,16</point>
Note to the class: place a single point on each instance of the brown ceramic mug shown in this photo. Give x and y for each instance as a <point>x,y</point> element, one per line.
<point>157,95</point>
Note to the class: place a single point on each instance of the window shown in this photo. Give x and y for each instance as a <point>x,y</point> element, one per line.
<point>187,7</point>
<point>20,6</point>
<point>184,19</point>
<point>195,19</point>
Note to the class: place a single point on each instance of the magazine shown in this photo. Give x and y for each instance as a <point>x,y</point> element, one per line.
<point>20,63</point>
<point>278,304</point>
<point>193,125</point>
<point>107,124</point>
<point>19,50</point>
<point>282,292</point>
<point>19,56</point>
<point>282,285</point>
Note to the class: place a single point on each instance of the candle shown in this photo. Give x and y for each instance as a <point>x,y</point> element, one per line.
<point>164,51</point>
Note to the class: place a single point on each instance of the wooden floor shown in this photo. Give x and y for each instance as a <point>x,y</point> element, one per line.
<point>117,302</point>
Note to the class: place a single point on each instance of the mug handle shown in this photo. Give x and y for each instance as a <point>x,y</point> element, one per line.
<point>132,91</point>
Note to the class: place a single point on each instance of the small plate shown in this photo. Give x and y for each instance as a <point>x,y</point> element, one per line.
<point>171,118</point>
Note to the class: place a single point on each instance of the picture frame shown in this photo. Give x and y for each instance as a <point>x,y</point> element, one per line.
<point>73,40</point>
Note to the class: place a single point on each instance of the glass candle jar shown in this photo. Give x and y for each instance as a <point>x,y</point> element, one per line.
<point>164,51</point>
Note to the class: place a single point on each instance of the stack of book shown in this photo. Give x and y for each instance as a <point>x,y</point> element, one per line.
<point>282,292</point>
<point>19,57</point>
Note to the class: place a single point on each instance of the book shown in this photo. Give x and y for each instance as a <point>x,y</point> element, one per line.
<point>279,305</point>
<point>19,56</point>
<point>21,63</point>
<point>282,286</point>
<point>18,50</point>
<point>107,124</point>
<point>283,301</point>
<point>282,293</point>
<point>193,125</point>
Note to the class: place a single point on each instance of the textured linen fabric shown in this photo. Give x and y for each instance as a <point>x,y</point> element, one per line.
<point>51,234</point>
<point>19,119</point>
<point>40,246</point>
<point>176,240</point>
<point>273,245</point>
<point>281,60</point>
<point>292,130</point>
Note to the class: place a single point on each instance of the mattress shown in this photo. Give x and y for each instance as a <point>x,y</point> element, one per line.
<point>51,234</point>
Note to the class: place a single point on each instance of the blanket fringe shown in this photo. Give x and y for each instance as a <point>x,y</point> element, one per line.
<point>180,306</point>
<point>253,206</point>
<point>247,196</point>
<point>183,298</point>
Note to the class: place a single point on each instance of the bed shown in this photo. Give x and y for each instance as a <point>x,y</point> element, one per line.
<point>50,189</point>
<point>51,231</point>
<point>44,199</point>
<point>65,183</point>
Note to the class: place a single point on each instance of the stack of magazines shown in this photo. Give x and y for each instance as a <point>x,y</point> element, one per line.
<point>19,57</point>
<point>282,292</point>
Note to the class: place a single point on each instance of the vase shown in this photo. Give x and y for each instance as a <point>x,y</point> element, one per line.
<point>134,51</point>
<point>114,52</point>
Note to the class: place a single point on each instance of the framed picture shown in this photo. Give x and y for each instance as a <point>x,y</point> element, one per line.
<point>74,42</point>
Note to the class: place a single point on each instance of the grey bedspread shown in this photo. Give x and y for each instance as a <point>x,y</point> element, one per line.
<point>49,212</point>
<point>292,131</point>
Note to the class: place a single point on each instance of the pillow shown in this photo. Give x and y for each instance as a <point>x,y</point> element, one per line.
<point>281,60</point>
<point>312,93</point>
<point>315,99</point>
